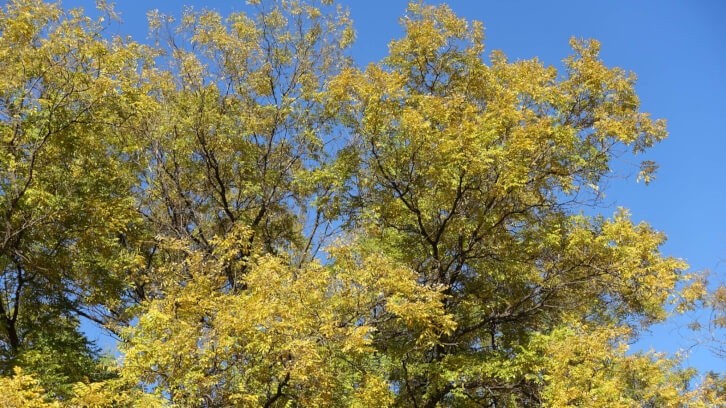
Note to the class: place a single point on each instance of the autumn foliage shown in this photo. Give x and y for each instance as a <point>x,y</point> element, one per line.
<point>261,222</point>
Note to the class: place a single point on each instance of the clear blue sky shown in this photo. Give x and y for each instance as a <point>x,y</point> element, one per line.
<point>678,51</point>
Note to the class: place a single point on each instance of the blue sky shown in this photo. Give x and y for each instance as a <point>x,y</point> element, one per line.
<point>678,51</point>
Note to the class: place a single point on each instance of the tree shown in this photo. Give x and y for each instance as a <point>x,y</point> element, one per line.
<point>67,96</point>
<point>710,328</point>
<point>717,322</point>
<point>241,139</point>
<point>472,174</point>
<point>269,225</point>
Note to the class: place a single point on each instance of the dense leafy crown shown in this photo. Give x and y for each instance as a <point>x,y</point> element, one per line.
<point>262,223</point>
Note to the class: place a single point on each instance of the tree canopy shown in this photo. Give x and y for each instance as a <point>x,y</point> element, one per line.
<point>261,222</point>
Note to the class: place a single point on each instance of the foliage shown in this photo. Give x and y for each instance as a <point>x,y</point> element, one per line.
<point>262,223</point>
<point>23,391</point>
<point>296,334</point>
<point>66,172</point>
<point>711,328</point>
